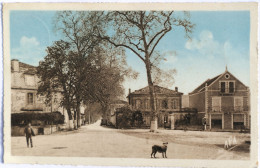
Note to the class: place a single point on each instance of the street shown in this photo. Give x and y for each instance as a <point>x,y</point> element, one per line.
<point>97,141</point>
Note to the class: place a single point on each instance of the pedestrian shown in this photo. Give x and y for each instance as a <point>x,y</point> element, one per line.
<point>28,134</point>
<point>204,123</point>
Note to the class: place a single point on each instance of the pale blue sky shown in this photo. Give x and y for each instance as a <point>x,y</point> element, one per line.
<point>219,39</point>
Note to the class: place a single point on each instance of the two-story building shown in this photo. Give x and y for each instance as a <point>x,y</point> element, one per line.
<point>24,98</point>
<point>224,101</point>
<point>168,102</point>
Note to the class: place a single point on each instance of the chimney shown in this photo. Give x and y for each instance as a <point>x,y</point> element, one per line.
<point>15,65</point>
<point>176,89</point>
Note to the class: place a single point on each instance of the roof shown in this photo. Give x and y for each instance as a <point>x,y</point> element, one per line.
<point>119,102</point>
<point>157,89</point>
<point>202,86</point>
<point>208,82</point>
<point>26,68</point>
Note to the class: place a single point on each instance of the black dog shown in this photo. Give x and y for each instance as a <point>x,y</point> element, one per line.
<point>160,149</point>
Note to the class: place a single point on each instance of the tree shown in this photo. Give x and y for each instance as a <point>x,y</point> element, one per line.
<point>77,29</point>
<point>98,68</point>
<point>141,32</point>
<point>110,70</point>
<point>56,75</point>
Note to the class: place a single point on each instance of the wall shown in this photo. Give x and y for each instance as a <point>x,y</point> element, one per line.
<point>197,101</point>
<point>19,131</point>
<point>185,101</point>
<point>23,83</point>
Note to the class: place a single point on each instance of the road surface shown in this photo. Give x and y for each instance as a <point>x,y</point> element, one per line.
<point>97,141</point>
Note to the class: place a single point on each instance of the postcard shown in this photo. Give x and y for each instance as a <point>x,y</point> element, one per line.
<point>131,84</point>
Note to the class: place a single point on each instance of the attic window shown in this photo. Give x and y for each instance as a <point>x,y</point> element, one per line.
<point>227,76</point>
<point>227,86</point>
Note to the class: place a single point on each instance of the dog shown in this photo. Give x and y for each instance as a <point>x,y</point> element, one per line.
<point>160,149</point>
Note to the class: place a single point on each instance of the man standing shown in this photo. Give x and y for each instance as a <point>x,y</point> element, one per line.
<point>29,133</point>
<point>204,122</point>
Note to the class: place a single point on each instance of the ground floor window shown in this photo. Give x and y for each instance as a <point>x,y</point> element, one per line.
<point>238,121</point>
<point>216,123</point>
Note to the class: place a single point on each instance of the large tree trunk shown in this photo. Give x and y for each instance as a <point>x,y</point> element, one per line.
<point>69,113</point>
<point>75,119</point>
<point>78,115</point>
<point>70,118</point>
<point>104,113</point>
<point>154,125</point>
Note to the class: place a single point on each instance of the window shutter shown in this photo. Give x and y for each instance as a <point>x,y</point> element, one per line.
<point>222,87</point>
<point>231,87</point>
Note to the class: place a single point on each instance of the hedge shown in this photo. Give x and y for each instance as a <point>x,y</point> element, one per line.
<point>127,118</point>
<point>23,118</point>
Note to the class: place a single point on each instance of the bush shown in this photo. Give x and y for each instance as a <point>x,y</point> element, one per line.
<point>137,119</point>
<point>21,119</point>
<point>124,117</point>
<point>127,118</point>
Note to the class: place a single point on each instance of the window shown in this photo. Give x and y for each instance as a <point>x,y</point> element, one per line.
<point>30,98</point>
<point>223,85</point>
<point>216,103</point>
<point>231,87</point>
<point>227,76</point>
<point>147,104</point>
<point>138,103</point>
<point>227,87</point>
<point>177,103</point>
<point>238,103</point>
<point>165,104</point>
<point>174,104</point>
<point>165,119</point>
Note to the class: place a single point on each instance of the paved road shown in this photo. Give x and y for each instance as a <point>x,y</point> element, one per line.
<point>96,141</point>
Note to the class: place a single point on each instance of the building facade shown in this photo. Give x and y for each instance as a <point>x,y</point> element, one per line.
<point>24,98</point>
<point>224,101</point>
<point>168,103</point>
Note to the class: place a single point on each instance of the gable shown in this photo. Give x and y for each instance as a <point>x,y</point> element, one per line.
<point>227,76</point>
<point>213,83</point>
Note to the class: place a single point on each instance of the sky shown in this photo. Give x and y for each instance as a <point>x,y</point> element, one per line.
<point>219,39</point>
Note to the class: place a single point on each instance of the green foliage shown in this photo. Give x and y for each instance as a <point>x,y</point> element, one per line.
<point>124,117</point>
<point>127,118</point>
<point>137,119</point>
<point>25,118</point>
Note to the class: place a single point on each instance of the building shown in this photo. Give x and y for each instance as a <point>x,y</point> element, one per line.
<point>24,99</point>
<point>224,101</point>
<point>168,103</point>
<point>113,107</point>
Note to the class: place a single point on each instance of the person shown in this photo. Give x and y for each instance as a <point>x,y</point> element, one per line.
<point>28,134</point>
<point>204,122</point>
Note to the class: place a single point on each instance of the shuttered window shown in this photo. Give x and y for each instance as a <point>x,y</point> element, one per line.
<point>216,103</point>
